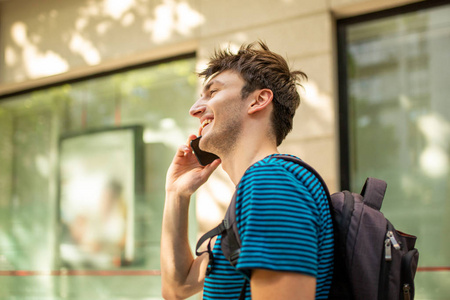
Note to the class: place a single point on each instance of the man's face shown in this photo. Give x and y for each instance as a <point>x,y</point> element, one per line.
<point>221,111</point>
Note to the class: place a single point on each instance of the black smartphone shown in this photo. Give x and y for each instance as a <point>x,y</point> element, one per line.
<point>203,157</point>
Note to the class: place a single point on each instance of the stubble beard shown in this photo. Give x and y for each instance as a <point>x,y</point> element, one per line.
<point>222,139</point>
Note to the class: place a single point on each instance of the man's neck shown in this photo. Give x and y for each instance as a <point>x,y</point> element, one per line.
<point>248,150</point>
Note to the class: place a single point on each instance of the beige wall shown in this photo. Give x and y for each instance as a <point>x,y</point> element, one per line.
<point>45,41</point>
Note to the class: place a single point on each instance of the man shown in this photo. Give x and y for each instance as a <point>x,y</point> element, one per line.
<point>245,110</point>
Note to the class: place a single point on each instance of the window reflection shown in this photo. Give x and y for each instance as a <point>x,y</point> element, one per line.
<point>104,229</point>
<point>398,70</point>
<point>97,198</point>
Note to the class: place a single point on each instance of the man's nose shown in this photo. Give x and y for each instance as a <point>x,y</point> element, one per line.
<point>197,109</point>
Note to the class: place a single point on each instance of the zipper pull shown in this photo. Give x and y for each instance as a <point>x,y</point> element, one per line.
<point>387,250</point>
<point>406,292</point>
<point>394,242</point>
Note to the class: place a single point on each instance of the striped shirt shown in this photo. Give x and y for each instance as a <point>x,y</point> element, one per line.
<point>284,224</point>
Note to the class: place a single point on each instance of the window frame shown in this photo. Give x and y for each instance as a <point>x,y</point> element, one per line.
<point>343,101</point>
<point>61,79</point>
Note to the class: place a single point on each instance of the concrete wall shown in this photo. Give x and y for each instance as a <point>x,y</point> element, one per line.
<point>49,41</point>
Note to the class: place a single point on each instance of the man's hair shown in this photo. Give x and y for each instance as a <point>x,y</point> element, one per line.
<point>261,68</point>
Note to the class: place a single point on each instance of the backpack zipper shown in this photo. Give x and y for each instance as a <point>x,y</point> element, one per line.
<point>388,243</point>
<point>390,235</point>
<point>387,250</point>
<point>406,292</point>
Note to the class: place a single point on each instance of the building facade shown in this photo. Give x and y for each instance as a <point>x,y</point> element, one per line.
<point>94,100</point>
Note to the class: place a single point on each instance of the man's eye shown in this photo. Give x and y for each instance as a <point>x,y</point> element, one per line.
<point>212,92</point>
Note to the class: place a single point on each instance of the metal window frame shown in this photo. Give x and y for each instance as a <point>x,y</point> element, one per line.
<point>62,79</point>
<point>343,101</point>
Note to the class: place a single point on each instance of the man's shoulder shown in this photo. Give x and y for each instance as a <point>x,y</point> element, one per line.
<point>275,164</point>
<point>269,168</point>
<point>275,173</point>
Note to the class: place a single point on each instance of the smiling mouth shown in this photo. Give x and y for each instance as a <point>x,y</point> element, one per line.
<point>204,124</point>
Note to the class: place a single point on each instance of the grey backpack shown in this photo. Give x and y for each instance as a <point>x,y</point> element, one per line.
<point>373,261</point>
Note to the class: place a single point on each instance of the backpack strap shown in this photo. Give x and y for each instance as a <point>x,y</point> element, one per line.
<point>373,192</point>
<point>344,219</point>
<point>209,235</point>
<point>243,290</point>
<point>340,284</point>
<point>231,242</point>
<point>310,169</point>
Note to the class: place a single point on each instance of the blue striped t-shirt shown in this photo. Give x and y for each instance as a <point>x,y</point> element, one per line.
<point>284,224</point>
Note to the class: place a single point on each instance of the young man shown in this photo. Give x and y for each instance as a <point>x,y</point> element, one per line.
<point>245,110</point>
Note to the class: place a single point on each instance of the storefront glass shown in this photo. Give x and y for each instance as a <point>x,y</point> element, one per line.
<point>399,128</point>
<point>130,123</point>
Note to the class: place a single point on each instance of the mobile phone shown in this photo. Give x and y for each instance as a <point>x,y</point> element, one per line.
<point>203,157</point>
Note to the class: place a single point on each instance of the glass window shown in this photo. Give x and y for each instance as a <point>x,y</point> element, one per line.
<point>36,260</point>
<point>398,118</point>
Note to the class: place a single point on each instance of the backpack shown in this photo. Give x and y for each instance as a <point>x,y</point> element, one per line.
<point>372,260</point>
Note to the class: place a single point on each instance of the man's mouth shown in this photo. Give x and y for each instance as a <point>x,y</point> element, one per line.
<point>204,124</point>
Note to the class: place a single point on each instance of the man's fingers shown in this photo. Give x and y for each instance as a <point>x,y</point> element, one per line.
<point>191,138</point>
<point>212,166</point>
<point>183,150</point>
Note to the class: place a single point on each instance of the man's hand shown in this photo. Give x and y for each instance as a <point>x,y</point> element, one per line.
<point>182,275</point>
<point>185,174</point>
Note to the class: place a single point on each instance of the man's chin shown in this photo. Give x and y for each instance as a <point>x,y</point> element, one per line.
<point>205,144</point>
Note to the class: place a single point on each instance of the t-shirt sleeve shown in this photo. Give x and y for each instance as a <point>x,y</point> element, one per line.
<point>277,222</point>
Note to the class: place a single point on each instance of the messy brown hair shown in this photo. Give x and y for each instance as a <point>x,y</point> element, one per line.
<point>261,68</point>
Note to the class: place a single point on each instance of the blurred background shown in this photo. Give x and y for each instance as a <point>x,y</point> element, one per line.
<point>94,100</point>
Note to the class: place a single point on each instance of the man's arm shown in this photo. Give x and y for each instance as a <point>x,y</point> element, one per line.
<point>274,285</point>
<point>182,274</point>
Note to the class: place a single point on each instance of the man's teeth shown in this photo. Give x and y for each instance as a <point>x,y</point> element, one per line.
<point>206,122</point>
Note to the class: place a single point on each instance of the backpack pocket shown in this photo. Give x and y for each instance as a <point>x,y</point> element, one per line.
<point>408,271</point>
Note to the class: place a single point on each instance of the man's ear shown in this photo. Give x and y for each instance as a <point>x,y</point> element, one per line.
<point>260,100</point>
